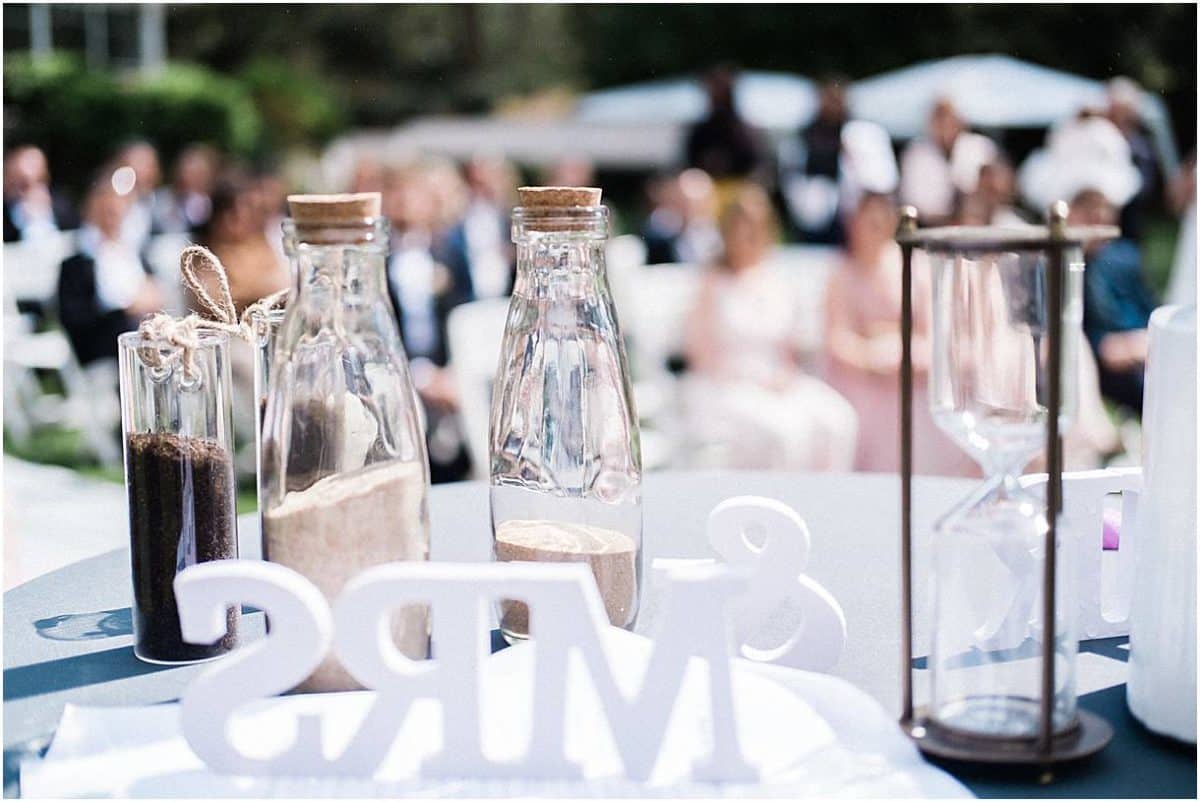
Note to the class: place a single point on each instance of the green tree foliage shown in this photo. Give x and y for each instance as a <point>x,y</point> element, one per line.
<point>297,107</point>
<point>277,76</point>
<point>397,60</point>
<point>80,116</point>
<point>389,62</point>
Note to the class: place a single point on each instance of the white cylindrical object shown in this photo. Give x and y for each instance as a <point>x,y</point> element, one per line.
<point>1162,637</point>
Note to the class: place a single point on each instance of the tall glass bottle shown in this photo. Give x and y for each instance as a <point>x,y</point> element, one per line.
<point>345,475</point>
<point>566,466</point>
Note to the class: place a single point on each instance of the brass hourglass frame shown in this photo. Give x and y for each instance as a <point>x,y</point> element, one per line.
<point>1091,733</point>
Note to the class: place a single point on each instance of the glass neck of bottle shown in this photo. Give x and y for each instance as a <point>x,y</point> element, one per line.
<point>336,268</point>
<point>547,269</point>
<point>560,252</point>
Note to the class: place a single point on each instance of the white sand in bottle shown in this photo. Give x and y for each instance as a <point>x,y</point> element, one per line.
<point>343,525</point>
<point>611,555</point>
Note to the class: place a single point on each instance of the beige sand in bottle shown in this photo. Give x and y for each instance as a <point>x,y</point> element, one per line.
<point>343,525</point>
<point>612,556</point>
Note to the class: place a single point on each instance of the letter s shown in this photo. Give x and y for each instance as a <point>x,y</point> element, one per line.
<point>301,632</point>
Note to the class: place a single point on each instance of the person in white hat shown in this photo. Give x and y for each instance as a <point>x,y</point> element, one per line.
<point>1124,110</point>
<point>868,166</point>
<point>1085,152</point>
<point>1087,162</point>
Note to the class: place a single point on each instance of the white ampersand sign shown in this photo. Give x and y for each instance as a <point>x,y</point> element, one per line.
<point>772,540</point>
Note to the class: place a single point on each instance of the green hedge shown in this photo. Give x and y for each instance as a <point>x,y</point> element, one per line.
<point>297,107</point>
<point>80,116</point>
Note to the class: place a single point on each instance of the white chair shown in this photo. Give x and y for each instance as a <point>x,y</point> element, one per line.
<point>19,383</point>
<point>31,268</point>
<point>473,333</point>
<point>89,402</point>
<point>625,256</point>
<point>653,321</point>
<point>655,316</point>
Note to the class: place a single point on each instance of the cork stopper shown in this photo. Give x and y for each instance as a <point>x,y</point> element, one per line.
<point>330,219</point>
<point>558,197</point>
<point>566,209</point>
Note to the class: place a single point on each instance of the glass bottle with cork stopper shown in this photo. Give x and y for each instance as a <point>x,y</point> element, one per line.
<point>566,467</point>
<point>345,474</point>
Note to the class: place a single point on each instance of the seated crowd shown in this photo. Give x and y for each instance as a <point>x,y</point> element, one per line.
<point>749,398</point>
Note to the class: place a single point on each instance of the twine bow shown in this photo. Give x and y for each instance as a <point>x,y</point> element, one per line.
<point>183,334</point>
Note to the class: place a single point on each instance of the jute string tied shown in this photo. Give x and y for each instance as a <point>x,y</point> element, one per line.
<point>183,334</point>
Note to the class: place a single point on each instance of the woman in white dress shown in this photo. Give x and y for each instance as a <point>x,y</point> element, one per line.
<point>748,404</point>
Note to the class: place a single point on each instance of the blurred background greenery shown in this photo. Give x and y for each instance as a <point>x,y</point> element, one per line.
<point>256,80</point>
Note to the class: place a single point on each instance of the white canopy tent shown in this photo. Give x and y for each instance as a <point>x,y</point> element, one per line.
<point>993,91</point>
<point>641,126</point>
<point>536,142</point>
<point>776,101</point>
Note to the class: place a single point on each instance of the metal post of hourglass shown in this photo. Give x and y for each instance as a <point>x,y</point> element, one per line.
<point>1055,267</point>
<point>1090,733</point>
<point>908,230</point>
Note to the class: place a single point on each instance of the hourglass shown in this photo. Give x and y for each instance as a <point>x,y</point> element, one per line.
<point>1006,316</point>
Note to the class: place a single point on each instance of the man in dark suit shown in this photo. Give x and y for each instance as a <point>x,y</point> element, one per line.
<point>30,208</point>
<point>683,227</point>
<point>423,289</point>
<point>105,288</point>
<point>478,248</point>
<point>1116,305</point>
<point>723,144</point>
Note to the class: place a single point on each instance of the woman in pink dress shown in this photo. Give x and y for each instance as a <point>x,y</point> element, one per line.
<point>862,347</point>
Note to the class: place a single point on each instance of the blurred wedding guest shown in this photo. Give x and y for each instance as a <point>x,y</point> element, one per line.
<point>423,290</point>
<point>993,203</point>
<point>31,208</point>
<point>682,226</point>
<point>478,245</point>
<point>723,144</point>
<point>813,193</point>
<point>422,287</point>
<point>1116,303</point>
<point>445,181</point>
<point>235,233</point>
<point>139,174</point>
<point>368,175</point>
<point>271,192</point>
<point>1181,287</point>
<point>862,347</point>
<point>571,171</point>
<point>185,205</point>
<point>1125,112</point>
<point>746,396</point>
<point>1085,151</point>
<point>868,165</point>
<point>997,186</point>
<point>936,168</point>
<point>105,289</point>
